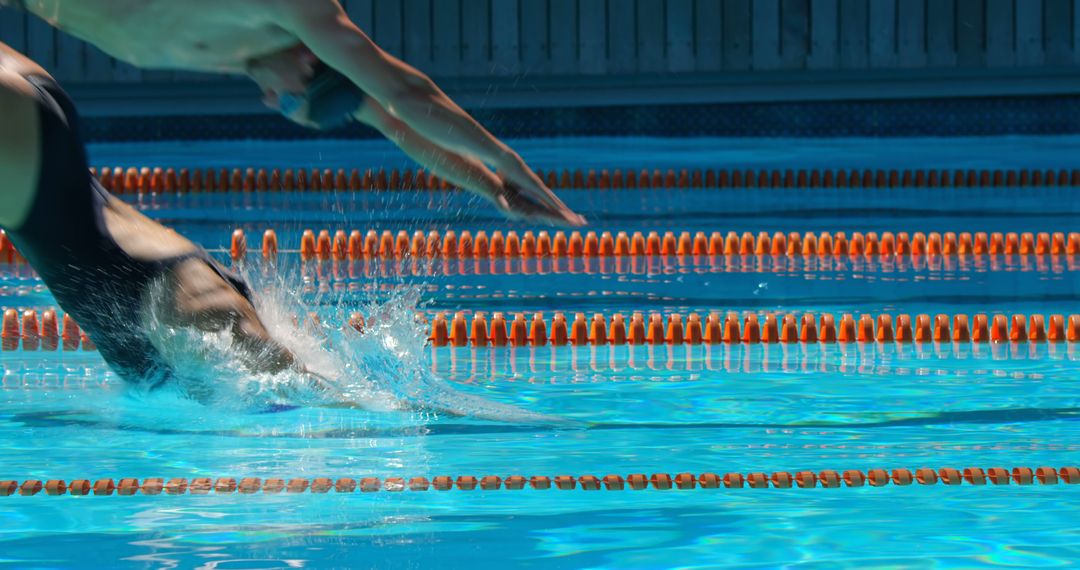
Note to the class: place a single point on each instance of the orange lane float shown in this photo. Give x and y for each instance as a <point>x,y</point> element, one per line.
<point>746,328</point>
<point>8,253</point>
<point>529,245</point>
<point>31,330</point>
<point>826,479</point>
<point>144,180</point>
<point>467,245</point>
<point>43,331</point>
<point>7,250</point>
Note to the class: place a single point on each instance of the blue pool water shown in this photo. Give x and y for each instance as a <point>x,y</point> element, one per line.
<point>633,409</point>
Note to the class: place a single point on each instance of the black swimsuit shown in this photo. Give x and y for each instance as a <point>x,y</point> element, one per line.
<point>65,239</point>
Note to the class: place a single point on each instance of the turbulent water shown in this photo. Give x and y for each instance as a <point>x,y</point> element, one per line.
<point>382,369</point>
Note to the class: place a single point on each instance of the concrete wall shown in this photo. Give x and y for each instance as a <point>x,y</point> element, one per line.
<point>567,52</point>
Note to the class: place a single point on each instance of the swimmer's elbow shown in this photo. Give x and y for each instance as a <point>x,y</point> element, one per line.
<point>412,95</point>
<point>416,84</point>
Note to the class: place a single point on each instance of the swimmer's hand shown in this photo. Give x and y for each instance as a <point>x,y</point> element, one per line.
<point>534,203</point>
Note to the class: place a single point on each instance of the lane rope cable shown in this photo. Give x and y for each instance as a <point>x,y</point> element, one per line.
<point>31,330</point>
<point>827,479</point>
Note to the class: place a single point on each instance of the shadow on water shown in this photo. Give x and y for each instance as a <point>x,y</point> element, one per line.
<point>78,418</point>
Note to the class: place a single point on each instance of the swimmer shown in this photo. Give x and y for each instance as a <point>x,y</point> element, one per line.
<point>99,256</point>
<point>113,269</point>
<point>316,67</point>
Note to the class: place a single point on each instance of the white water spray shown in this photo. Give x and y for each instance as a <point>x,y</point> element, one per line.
<point>384,369</point>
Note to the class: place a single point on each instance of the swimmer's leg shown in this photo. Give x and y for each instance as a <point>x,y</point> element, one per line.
<point>20,138</point>
<point>463,171</point>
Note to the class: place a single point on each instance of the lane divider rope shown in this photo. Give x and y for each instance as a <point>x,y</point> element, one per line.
<point>827,479</point>
<point>132,180</point>
<point>746,328</point>
<point>337,272</point>
<point>326,269</point>
<point>34,331</point>
<point>451,244</point>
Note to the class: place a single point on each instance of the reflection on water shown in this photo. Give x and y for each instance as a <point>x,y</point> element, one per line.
<point>570,364</point>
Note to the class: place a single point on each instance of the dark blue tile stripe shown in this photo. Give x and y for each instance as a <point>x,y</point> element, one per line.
<point>930,117</point>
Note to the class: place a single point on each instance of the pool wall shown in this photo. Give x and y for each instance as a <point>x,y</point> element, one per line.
<point>595,53</point>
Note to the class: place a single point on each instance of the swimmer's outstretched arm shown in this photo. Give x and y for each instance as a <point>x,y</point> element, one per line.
<point>411,96</point>
<point>463,171</point>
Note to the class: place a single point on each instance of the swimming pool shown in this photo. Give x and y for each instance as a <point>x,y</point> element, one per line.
<point>663,408</point>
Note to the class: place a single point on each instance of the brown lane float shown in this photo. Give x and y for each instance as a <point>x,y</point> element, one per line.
<point>826,479</point>
<point>146,179</point>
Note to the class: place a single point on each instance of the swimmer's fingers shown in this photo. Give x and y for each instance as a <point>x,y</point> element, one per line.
<point>503,204</point>
<point>526,182</point>
<point>530,211</point>
<point>522,205</point>
<point>547,203</point>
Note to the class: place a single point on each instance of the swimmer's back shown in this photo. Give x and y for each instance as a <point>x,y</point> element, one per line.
<point>65,237</point>
<point>19,143</point>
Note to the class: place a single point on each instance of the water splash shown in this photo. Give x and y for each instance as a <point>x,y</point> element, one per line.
<point>385,369</point>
